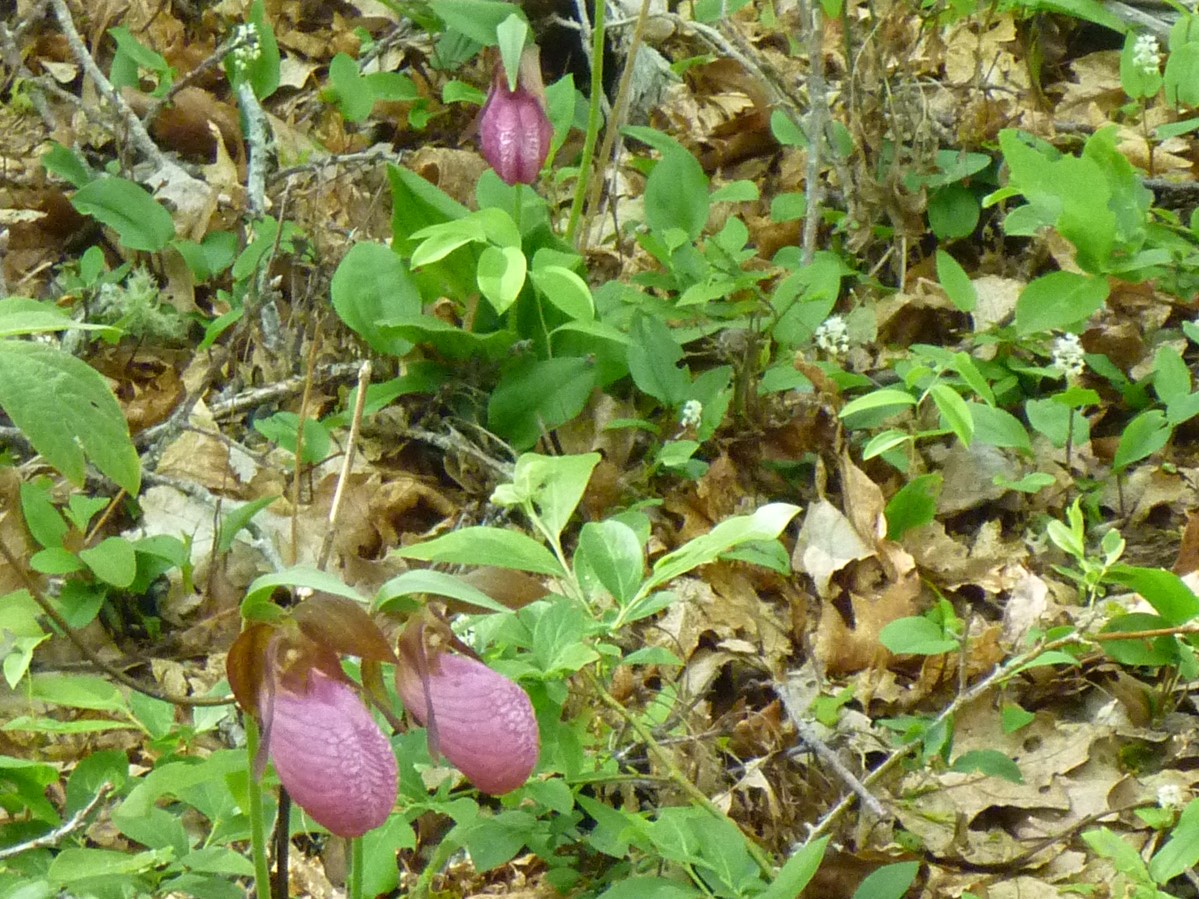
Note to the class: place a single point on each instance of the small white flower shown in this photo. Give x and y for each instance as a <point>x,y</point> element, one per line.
<point>248,46</point>
<point>690,414</point>
<point>1068,356</point>
<point>1169,796</point>
<point>1147,54</point>
<point>833,336</point>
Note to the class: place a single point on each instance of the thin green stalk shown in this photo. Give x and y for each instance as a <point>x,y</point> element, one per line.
<point>357,864</point>
<point>593,120</point>
<point>518,201</point>
<point>262,870</point>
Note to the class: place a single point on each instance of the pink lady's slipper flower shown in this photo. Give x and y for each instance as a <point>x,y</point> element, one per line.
<point>513,128</point>
<point>482,722</point>
<point>330,755</point>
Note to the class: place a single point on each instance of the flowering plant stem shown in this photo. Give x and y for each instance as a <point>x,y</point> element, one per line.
<point>262,871</point>
<point>357,864</point>
<point>593,120</point>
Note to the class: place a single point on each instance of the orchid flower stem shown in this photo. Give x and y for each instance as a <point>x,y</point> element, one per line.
<point>677,776</point>
<point>357,863</point>
<point>517,202</point>
<point>593,120</point>
<point>262,871</point>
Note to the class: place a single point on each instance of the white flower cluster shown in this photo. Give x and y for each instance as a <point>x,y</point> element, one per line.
<point>1068,356</point>
<point>691,413</point>
<point>833,336</point>
<point>247,46</point>
<point>1147,54</point>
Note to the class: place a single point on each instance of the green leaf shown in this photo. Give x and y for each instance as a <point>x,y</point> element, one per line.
<point>916,636</point>
<point>535,396</point>
<point>891,398</point>
<point>888,882</point>
<point>566,290</point>
<point>1015,718</point>
<point>477,19</point>
<point>1165,591</point>
<point>436,583</point>
<point>1144,436</point>
<point>486,546</point>
<point>350,90</point>
<point>786,131</point>
<point>998,427</point>
<point>449,341</point>
<point>1059,301</point>
<point>501,275</point>
<point>258,594</point>
<point>648,888</point>
<point>511,35</point>
<point>263,70</point>
<point>553,484</point>
<point>20,316</point>
<point>77,691</point>
<point>611,550</point>
<point>1181,853</point>
<point>1171,376</point>
<point>884,442</point>
<point>797,872</point>
<point>141,222</point>
<point>991,762</point>
<point>237,520</point>
<point>956,282</point>
<point>954,411</point>
<point>913,506</point>
<point>676,194</point>
<point>65,409</point>
<point>371,286</point>
<point>113,561</point>
<point>653,356</point>
<point>764,524</point>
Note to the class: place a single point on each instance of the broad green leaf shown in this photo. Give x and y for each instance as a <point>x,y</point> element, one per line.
<point>477,19</point>
<point>77,691</point>
<point>20,316</point>
<point>566,290</point>
<point>65,409</point>
<point>71,865</point>
<point>511,35</point>
<point>501,275</point>
<point>884,442</point>
<point>486,546</point>
<point>998,427</point>
<point>917,636</point>
<point>653,357</point>
<point>1165,591</point>
<point>1059,301</point>
<point>553,484</point>
<point>1171,376</point>
<point>372,286</point>
<point>350,90</point>
<point>764,524</point>
<point>448,340</point>
<point>1181,853</point>
<point>913,506</point>
<point>990,762</point>
<point>535,396</point>
<point>798,871</point>
<point>259,592</point>
<point>437,583</point>
<point>613,553</point>
<point>888,882</point>
<point>141,222</point>
<point>954,411</point>
<point>1144,436</point>
<point>956,282</point>
<point>676,194</point>
<point>113,561</point>
<point>883,398</point>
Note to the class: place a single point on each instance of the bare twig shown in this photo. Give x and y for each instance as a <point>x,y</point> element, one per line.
<point>808,735</point>
<point>64,830</point>
<point>364,380</point>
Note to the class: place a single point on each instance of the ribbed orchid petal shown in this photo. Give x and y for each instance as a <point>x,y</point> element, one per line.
<point>485,723</point>
<point>515,133</point>
<point>332,757</point>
